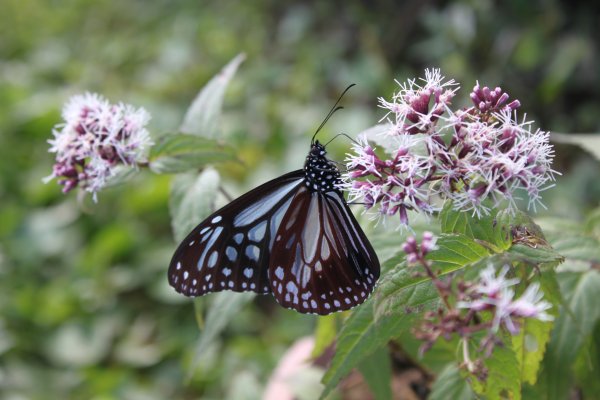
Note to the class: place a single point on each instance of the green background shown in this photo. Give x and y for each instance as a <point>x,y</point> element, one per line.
<point>85,309</point>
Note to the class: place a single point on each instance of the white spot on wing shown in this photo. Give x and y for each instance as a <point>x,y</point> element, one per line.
<point>226,271</point>
<point>231,253</point>
<point>318,266</point>
<point>213,259</point>
<point>238,237</point>
<point>279,273</point>
<point>252,252</point>
<point>216,219</point>
<point>248,272</point>
<point>292,288</point>
<point>257,233</point>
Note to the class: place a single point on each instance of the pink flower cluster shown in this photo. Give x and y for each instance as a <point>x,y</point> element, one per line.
<point>467,156</point>
<point>94,139</point>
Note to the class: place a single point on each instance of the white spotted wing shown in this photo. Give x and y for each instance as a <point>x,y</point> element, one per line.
<point>230,250</point>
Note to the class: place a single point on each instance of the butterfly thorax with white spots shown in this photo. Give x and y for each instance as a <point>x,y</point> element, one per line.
<point>320,174</point>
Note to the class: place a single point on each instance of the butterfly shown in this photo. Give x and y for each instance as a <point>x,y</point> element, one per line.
<point>294,237</point>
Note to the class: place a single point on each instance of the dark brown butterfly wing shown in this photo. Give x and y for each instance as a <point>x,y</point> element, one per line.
<point>321,260</point>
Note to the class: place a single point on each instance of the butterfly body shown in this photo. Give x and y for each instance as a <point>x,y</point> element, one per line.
<point>294,237</point>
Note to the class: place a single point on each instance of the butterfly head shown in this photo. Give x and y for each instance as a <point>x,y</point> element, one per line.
<point>320,174</point>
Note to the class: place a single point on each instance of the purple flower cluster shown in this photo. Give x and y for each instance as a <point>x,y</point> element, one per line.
<point>94,139</point>
<point>466,156</point>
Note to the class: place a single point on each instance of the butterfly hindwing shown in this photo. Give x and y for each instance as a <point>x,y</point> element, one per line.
<point>230,249</point>
<point>321,260</point>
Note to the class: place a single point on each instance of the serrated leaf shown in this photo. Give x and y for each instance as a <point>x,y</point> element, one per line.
<point>224,307</point>
<point>401,289</point>
<point>325,333</point>
<point>180,152</point>
<point>450,384</point>
<point>203,115</point>
<point>494,229</point>
<point>192,199</point>
<point>571,328</point>
<point>537,255</point>
<point>377,371</point>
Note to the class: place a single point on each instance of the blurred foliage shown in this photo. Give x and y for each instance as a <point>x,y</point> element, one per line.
<point>85,311</point>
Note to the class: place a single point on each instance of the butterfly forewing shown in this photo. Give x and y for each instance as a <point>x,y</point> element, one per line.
<point>321,260</point>
<point>230,250</point>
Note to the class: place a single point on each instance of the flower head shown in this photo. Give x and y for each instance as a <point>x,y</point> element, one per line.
<point>94,138</point>
<point>476,157</point>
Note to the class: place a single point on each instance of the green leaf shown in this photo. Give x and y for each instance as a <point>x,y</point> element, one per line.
<point>324,333</point>
<point>192,200</point>
<point>529,346</point>
<point>377,371</point>
<point>450,384</point>
<point>224,307</point>
<point>571,328</point>
<point>203,115</point>
<point>545,256</point>
<point>359,337</point>
<point>503,380</point>
<point>494,229</point>
<point>588,142</point>
<point>576,246</point>
<point>401,290</point>
<point>572,239</point>
<point>179,152</point>
<point>588,365</point>
<point>121,174</point>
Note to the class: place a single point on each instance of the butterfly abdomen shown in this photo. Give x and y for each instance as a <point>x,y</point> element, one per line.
<point>321,175</point>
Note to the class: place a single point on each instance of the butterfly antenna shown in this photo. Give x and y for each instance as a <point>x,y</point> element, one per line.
<point>338,135</point>
<point>331,112</point>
